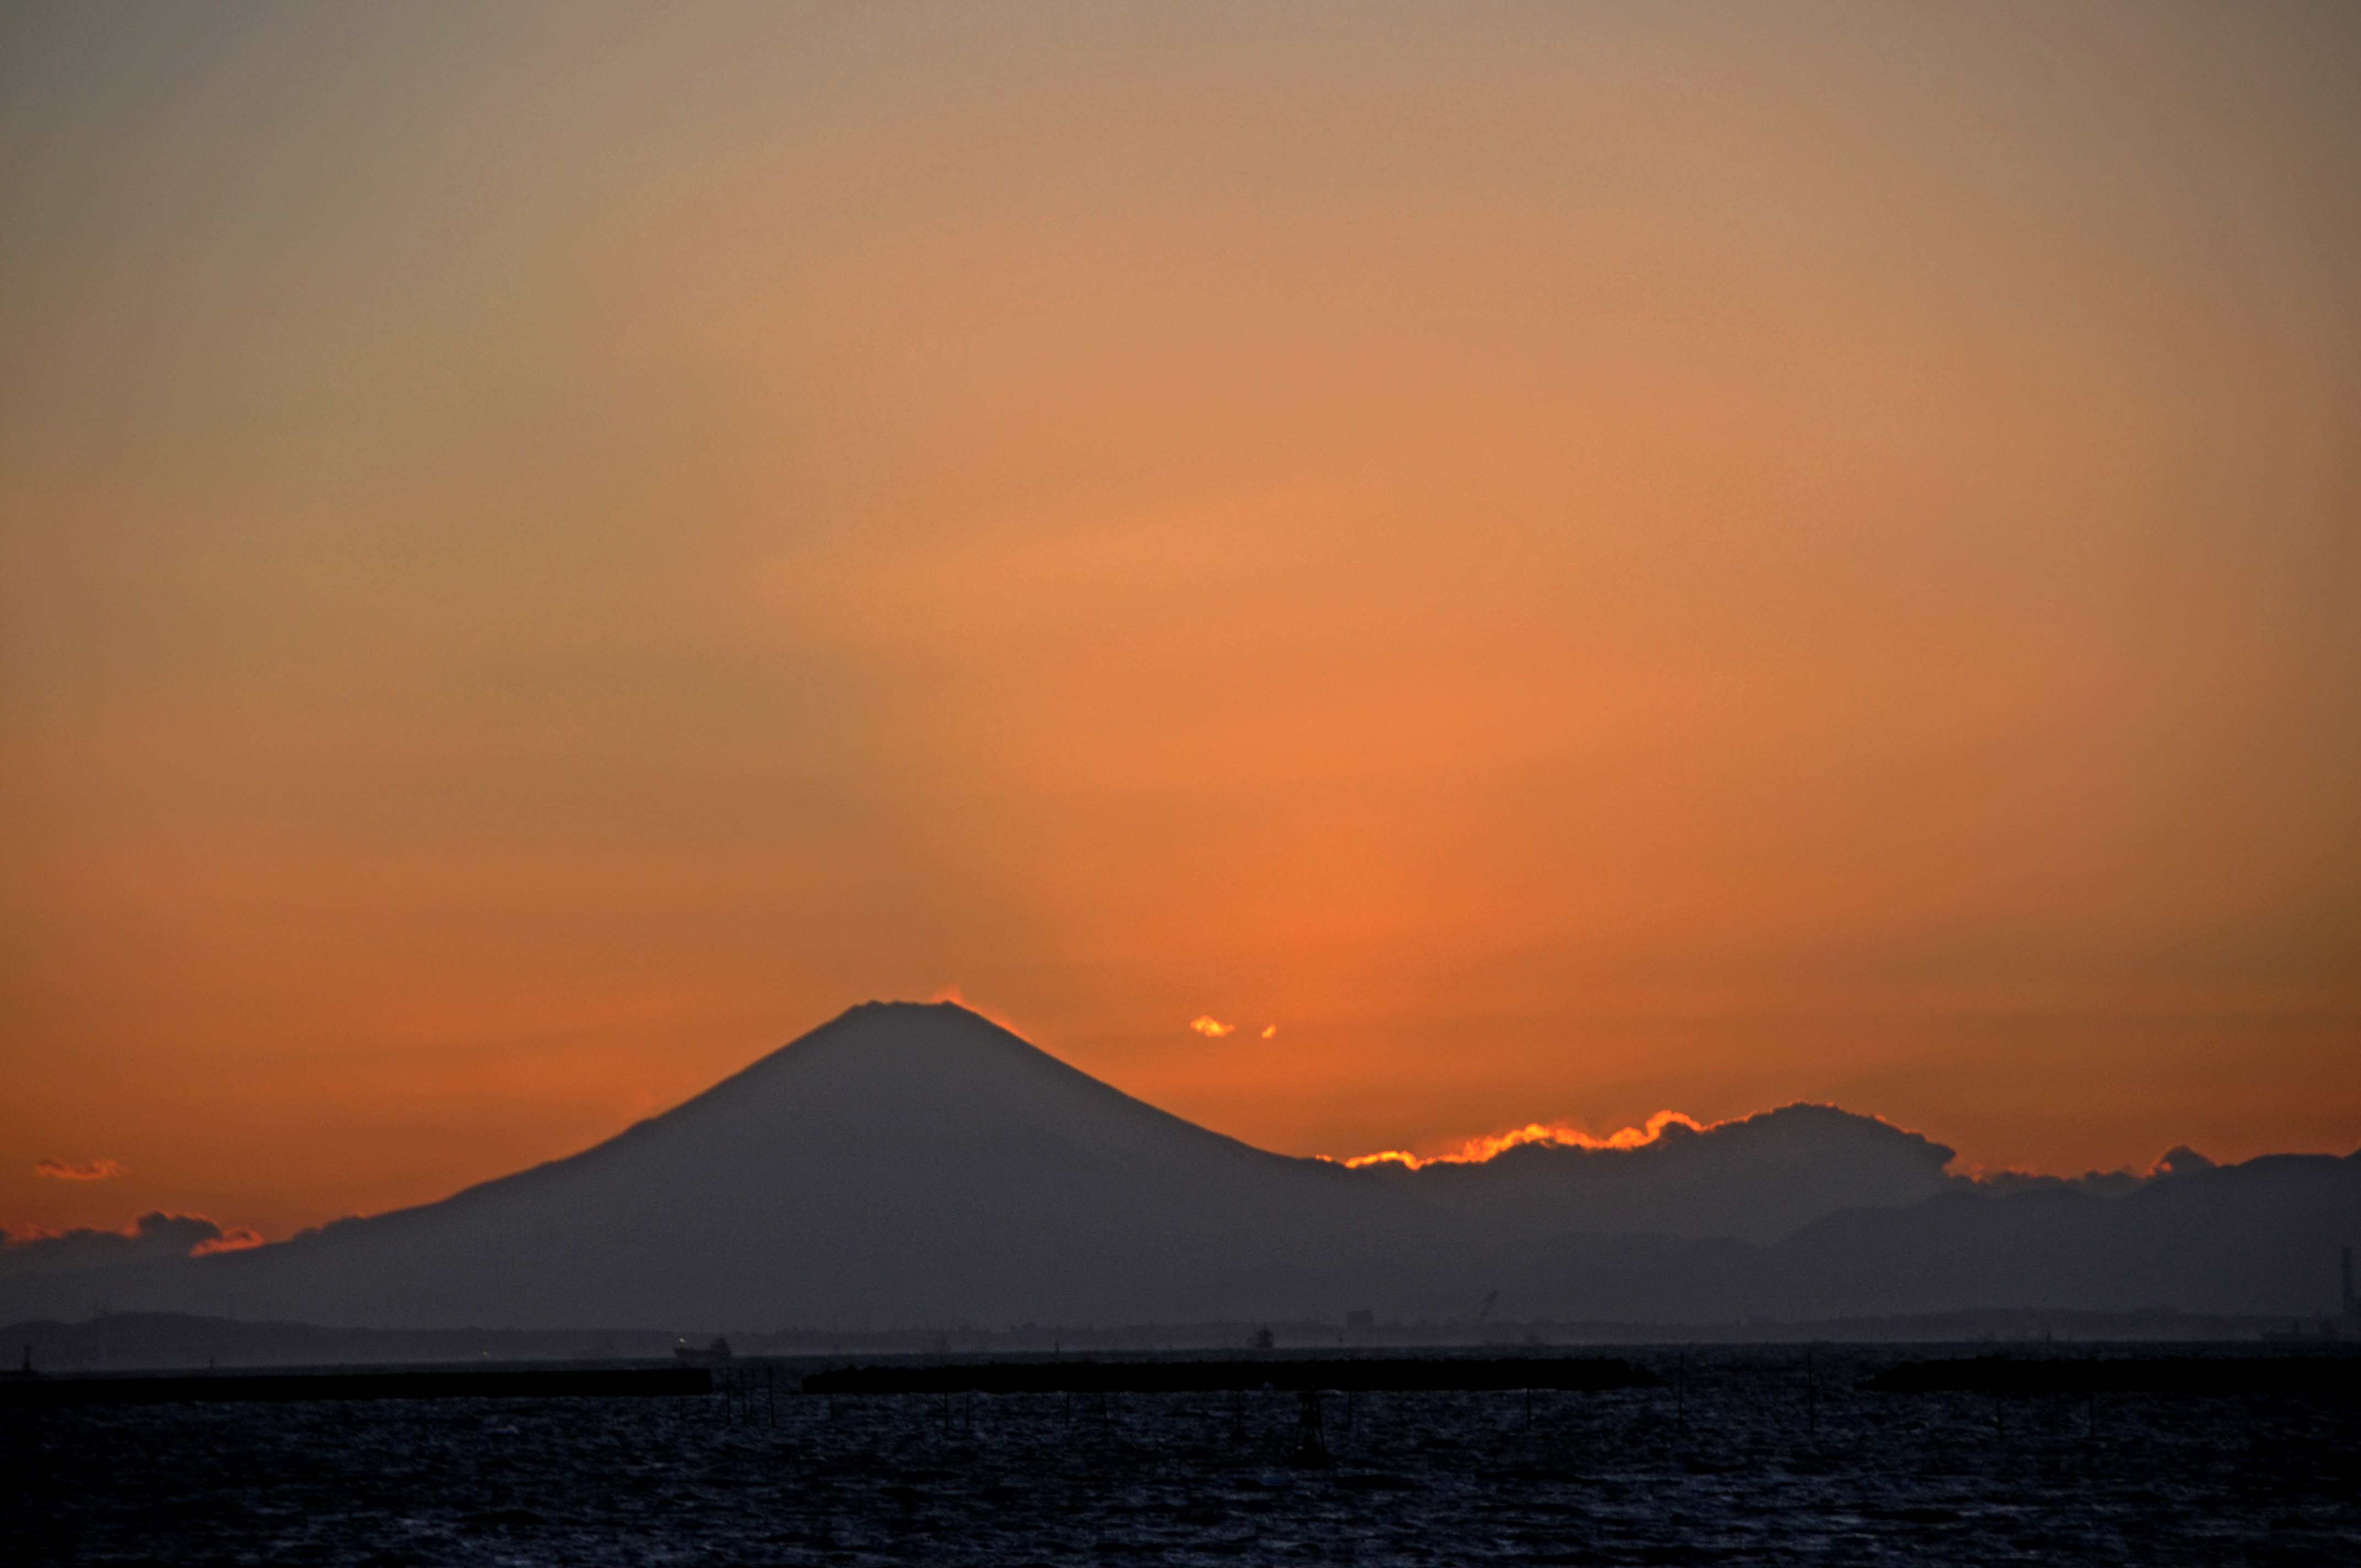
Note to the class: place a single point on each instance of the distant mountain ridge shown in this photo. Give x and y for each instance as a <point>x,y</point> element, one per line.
<point>909,1164</point>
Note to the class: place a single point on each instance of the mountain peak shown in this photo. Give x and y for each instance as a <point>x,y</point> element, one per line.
<point>912,1162</point>
<point>876,1018</point>
<point>882,1051</point>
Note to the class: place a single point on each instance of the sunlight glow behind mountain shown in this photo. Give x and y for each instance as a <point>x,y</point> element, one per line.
<point>1582,559</point>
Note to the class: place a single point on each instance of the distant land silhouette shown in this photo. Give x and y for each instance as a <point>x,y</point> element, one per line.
<point>910,1165</point>
<point>116,1341</point>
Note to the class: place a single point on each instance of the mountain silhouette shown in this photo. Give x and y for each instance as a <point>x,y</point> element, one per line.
<point>905,1163</point>
<point>910,1165</point>
<point>2261,1236</point>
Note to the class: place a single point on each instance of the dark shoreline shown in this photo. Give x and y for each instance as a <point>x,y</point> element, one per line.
<point>21,1392</point>
<point>2309,1369</point>
<point>162,1341</point>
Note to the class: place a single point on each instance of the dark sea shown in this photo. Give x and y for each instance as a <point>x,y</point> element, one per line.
<point>1753,1462</point>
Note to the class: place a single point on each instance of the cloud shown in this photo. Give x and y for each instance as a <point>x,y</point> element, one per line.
<point>31,1250</point>
<point>1213,1028</point>
<point>236,1238</point>
<point>2178,1160</point>
<point>2097,1183</point>
<point>1754,1179</point>
<point>64,1170</point>
<point>1477,1150</point>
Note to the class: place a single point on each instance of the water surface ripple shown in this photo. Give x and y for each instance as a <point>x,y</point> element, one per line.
<point>1753,1462</point>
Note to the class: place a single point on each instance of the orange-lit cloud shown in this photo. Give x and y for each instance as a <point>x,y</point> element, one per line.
<point>1477,1150</point>
<point>236,1238</point>
<point>1213,1028</point>
<point>64,1170</point>
<point>155,1234</point>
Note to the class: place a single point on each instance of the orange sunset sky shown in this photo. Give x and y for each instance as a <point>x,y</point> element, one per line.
<point>1573,560</point>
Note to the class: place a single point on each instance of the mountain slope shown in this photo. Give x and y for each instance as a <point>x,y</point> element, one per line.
<point>908,1165</point>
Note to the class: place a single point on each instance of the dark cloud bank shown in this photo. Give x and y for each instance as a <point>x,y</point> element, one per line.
<point>912,1165</point>
<point>153,1237</point>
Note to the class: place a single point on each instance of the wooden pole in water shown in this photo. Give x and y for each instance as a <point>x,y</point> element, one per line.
<point>1811,1395</point>
<point>1681,1394</point>
<point>1310,1441</point>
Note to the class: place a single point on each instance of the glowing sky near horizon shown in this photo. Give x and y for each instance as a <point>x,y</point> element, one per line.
<point>1538,563</point>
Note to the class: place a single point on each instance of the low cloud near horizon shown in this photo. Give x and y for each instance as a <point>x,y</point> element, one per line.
<point>154,1235</point>
<point>1483,1148</point>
